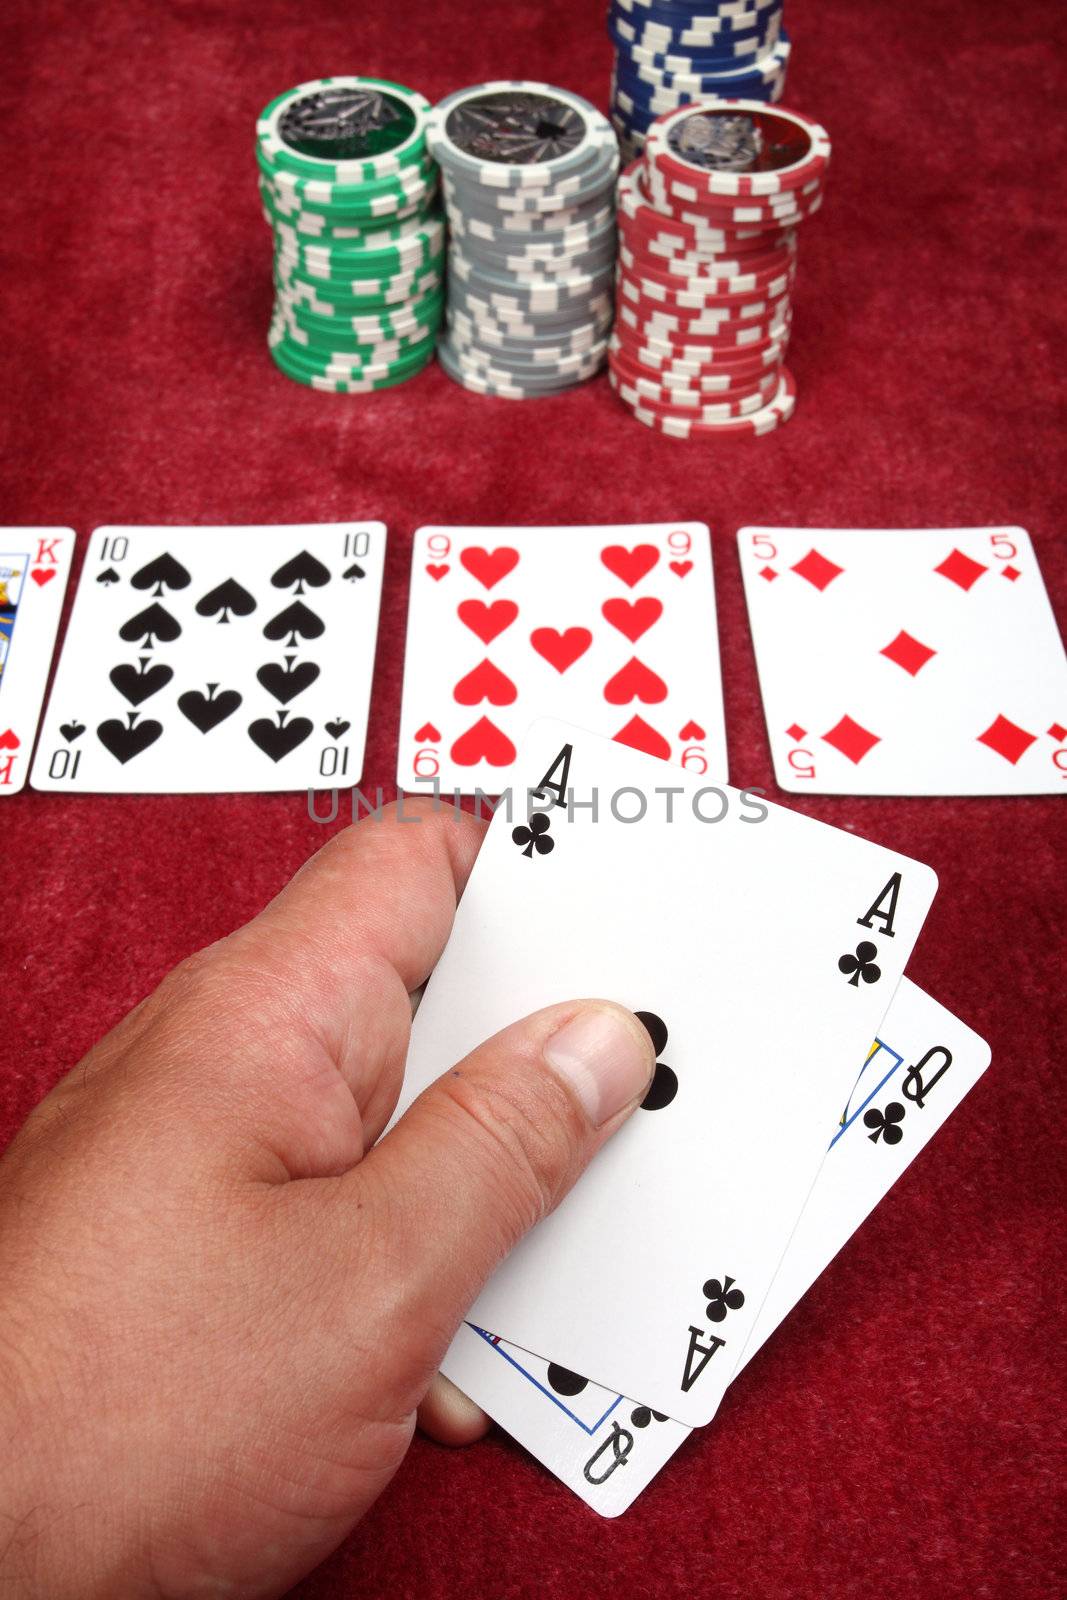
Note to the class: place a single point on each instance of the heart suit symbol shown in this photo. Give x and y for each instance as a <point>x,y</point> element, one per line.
<point>483,741</point>
<point>629,565</point>
<point>632,617</point>
<point>561,649</point>
<point>635,681</point>
<point>485,682</point>
<point>487,620</point>
<point>489,566</point>
<point>640,736</point>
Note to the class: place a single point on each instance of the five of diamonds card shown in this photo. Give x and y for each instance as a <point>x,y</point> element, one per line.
<point>907,661</point>
<point>216,660</point>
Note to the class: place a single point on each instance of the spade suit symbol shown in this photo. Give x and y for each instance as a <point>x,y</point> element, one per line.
<point>162,573</point>
<point>300,570</point>
<point>285,683</point>
<point>140,683</point>
<point>107,577</point>
<point>125,741</point>
<point>296,622</point>
<point>154,622</point>
<point>224,598</point>
<point>206,711</point>
<point>277,739</point>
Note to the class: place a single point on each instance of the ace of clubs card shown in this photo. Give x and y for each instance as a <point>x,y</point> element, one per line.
<point>761,949</point>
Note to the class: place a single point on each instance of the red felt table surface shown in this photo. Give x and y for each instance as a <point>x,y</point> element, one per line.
<point>900,1434</point>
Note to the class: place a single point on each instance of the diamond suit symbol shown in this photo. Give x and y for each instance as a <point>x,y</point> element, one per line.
<point>1011,573</point>
<point>961,569</point>
<point>1057,731</point>
<point>907,652</point>
<point>796,732</point>
<point>768,573</point>
<point>1007,739</point>
<point>852,739</point>
<point>817,570</point>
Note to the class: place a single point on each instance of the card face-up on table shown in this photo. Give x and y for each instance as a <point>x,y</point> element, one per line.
<point>34,567</point>
<point>611,627</point>
<point>216,660</point>
<point>762,950</point>
<point>908,661</point>
<point>605,1447</point>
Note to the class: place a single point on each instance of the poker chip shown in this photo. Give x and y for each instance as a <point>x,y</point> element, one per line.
<point>350,192</point>
<point>527,174</point>
<point>707,261</point>
<point>677,52</point>
<point>679,425</point>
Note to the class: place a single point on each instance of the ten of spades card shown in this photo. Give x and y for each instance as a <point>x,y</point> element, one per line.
<point>216,659</point>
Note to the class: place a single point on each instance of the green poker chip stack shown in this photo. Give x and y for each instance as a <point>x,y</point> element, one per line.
<point>350,193</point>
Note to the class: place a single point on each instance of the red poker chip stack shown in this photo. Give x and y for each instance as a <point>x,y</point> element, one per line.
<point>708,220</point>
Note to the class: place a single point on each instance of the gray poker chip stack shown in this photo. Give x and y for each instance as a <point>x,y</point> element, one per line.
<point>528,174</point>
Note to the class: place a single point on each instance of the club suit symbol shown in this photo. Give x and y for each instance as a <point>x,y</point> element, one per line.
<point>722,1296</point>
<point>664,1085</point>
<point>861,965</point>
<point>886,1124</point>
<point>536,838</point>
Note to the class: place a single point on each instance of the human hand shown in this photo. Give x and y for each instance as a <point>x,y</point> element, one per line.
<point>219,1306</point>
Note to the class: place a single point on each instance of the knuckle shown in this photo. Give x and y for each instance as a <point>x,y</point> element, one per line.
<point>525,1136</point>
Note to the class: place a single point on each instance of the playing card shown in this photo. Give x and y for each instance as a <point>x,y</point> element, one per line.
<point>761,948</point>
<point>612,628</point>
<point>922,1064</point>
<point>215,660</point>
<point>34,565</point>
<point>582,1433</point>
<point>914,661</point>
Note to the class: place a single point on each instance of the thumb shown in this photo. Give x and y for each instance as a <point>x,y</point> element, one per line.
<point>488,1150</point>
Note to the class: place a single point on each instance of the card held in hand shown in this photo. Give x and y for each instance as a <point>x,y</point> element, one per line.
<point>761,949</point>
<point>216,660</point>
<point>607,1448</point>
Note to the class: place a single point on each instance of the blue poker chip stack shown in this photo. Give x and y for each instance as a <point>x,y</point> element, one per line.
<point>671,53</point>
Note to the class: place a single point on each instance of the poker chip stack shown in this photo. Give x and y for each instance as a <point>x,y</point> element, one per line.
<point>351,193</point>
<point>707,255</point>
<point>528,173</point>
<point>670,53</point>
